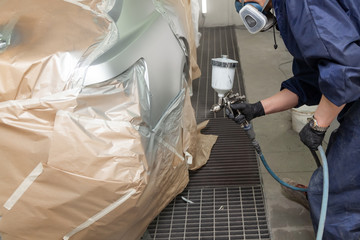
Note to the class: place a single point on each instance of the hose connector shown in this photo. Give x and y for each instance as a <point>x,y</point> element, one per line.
<point>251,134</point>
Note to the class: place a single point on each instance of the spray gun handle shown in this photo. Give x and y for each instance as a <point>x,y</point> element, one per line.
<point>245,123</point>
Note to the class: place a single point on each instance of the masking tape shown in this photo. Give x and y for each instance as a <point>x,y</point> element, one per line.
<point>189,158</point>
<point>170,148</point>
<point>100,214</point>
<point>23,187</point>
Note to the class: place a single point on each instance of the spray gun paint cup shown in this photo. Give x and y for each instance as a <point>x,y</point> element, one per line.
<point>223,72</point>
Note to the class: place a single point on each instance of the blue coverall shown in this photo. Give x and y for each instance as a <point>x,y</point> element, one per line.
<point>324,38</point>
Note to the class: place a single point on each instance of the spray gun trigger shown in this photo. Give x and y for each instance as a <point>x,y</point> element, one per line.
<point>240,119</point>
<point>229,111</point>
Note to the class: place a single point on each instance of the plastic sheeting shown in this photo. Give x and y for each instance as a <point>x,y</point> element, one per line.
<point>81,162</point>
<point>94,153</point>
<point>47,47</point>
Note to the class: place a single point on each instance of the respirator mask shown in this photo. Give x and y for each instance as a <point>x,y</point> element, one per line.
<point>254,17</point>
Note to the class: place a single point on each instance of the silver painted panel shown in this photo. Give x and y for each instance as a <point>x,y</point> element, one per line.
<point>144,33</point>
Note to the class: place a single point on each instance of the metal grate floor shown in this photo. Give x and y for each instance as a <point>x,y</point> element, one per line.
<point>216,213</point>
<point>228,202</point>
<point>232,161</point>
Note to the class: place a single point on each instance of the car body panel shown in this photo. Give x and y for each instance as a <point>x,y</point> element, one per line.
<point>140,26</point>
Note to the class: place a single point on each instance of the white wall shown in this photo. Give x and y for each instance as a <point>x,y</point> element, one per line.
<point>219,13</point>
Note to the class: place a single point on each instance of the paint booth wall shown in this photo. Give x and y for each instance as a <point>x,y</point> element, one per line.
<point>219,13</point>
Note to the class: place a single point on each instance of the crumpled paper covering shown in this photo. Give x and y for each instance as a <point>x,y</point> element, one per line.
<point>196,143</point>
<point>46,51</point>
<point>80,162</point>
<point>94,152</point>
<point>43,56</point>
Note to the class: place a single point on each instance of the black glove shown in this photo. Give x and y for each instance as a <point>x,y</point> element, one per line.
<point>311,137</point>
<point>248,111</point>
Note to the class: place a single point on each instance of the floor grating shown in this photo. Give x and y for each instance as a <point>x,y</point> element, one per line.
<point>232,160</point>
<point>224,198</point>
<point>215,213</point>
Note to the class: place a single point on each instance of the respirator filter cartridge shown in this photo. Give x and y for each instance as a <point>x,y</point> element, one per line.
<point>252,18</point>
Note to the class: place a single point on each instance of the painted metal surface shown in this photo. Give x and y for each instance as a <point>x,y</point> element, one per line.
<point>144,33</point>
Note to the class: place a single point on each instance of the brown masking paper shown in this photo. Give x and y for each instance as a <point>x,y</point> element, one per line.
<point>104,173</point>
<point>48,41</point>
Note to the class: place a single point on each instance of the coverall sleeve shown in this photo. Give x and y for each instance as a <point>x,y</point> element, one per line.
<point>304,84</point>
<point>327,36</point>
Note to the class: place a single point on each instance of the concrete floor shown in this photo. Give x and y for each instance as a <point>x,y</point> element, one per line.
<point>264,68</point>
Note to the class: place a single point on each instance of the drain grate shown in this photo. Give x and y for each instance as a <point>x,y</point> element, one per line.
<point>232,161</point>
<point>216,213</point>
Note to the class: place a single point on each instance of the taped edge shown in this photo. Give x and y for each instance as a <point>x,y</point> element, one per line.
<point>100,214</point>
<point>23,187</point>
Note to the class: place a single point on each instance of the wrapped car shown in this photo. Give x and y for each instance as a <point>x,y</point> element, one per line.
<point>97,129</point>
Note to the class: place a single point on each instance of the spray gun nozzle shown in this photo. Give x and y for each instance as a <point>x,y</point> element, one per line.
<point>215,108</point>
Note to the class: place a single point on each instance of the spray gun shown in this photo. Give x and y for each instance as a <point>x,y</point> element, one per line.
<point>223,72</point>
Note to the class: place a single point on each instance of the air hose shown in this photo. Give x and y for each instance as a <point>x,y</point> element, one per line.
<point>250,132</point>
<point>325,194</point>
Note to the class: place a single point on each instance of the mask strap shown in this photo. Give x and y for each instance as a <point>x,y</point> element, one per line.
<point>266,3</point>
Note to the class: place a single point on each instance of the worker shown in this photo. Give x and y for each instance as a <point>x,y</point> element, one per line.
<point>324,39</point>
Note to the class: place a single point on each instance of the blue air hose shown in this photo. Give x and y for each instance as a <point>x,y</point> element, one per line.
<point>250,132</point>
<point>277,178</point>
<point>325,197</point>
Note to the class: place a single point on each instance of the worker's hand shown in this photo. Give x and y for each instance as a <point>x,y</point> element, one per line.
<point>247,111</point>
<point>311,137</point>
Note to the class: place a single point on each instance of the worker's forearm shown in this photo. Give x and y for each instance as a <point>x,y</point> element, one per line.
<point>281,101</point>
<point>326,112</point>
